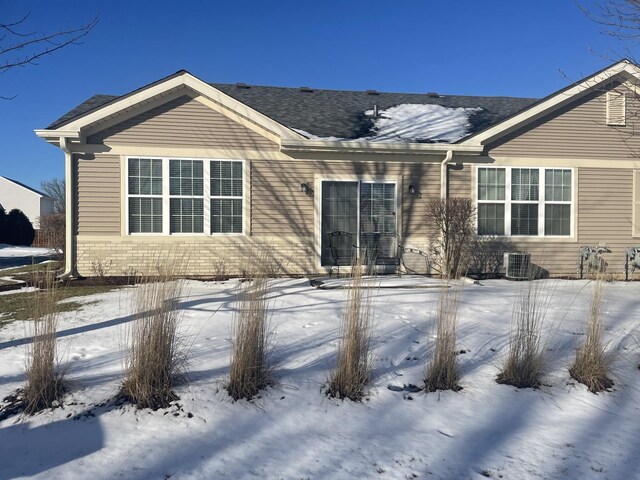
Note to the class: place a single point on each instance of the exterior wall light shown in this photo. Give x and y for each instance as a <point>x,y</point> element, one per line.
<point>304,187</point>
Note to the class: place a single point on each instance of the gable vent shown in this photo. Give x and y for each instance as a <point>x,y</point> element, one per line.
<point>242,85</point>
<point>306,89</point>
<point>616,108</point>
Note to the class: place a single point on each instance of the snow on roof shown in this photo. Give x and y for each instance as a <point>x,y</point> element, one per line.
<point>421,123</point>
<point>413,122</point>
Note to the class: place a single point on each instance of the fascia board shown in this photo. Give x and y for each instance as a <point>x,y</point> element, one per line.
<point>372,147</point>
<point>556,100</point>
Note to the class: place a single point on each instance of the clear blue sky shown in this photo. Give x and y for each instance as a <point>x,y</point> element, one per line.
<point>488,47</point>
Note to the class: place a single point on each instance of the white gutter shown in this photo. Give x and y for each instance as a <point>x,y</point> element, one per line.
<point>363,146</point>
<point>69,254</point>
<point>443,173</point>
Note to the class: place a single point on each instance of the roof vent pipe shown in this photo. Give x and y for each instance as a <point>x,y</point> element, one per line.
<point>375,110</point>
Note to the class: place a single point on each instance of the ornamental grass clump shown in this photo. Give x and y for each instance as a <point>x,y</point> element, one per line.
<point>250,369</point>
<point>443,372</point>
<point>156,356</point>
<point>592,363</point>
<point>352,373</point>
<point>45,379</point>
<point>526,361</point>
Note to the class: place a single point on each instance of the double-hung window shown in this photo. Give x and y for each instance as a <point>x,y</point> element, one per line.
<point>557,197</point>
<point>226,197</point>
<point>145,195</point>
<point>186,205</point>
<point>185,196</point>
<point>524,201</point>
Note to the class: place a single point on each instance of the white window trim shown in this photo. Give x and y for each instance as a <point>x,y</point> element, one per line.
<point>166,197</point>
<point>541,202</point>
<point>360,179</point>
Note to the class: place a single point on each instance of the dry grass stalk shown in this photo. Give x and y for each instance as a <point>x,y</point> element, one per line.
<point>156,355</point>
<point>45,380</point>
<point>250,369</point>
<point>443,371</point>
<point>353,370</point>
<point>526,360</point>
<point>592,363</point>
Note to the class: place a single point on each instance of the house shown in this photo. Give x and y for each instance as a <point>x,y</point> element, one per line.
<point>30,201</point>
<point>215,169</point>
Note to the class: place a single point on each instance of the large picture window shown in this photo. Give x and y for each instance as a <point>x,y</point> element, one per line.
<point>524,201</point>
<point>185,196</point>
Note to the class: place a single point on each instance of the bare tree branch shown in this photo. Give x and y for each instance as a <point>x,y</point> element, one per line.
<point>620,18</point>
<point>19,49</point>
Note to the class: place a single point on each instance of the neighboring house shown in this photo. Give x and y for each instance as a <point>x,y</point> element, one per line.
<point>213,170</point>
<point>33,203</point>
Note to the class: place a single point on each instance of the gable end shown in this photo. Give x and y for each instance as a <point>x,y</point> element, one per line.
<point>183,121</point>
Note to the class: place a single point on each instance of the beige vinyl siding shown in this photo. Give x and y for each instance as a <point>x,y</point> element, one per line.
<point>98,195</point>
<point>460,181</point>
<point>182,122</point>
<point>605,207</point>
<point>280,208</point>
<point>578,130</point>
<point>636,204</point>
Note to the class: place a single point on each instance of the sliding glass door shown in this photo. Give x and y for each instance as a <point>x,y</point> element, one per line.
<point>364,209</point>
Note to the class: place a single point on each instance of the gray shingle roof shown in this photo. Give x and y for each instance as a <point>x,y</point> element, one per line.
<point>337,113</point>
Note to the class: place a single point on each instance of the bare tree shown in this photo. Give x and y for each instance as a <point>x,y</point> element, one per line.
<point>20,47</point>
<point>55,188</point>
<point>452,221</point>
<point>620,20</point>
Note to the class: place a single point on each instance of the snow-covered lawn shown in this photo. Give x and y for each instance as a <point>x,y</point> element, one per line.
<point>12,251</point>
<point>294,431</point>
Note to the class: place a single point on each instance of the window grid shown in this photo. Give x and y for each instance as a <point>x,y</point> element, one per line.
<point>491,201</point>
<point>557,202</point>
<point>539,201</point>
<point>226,186</point>
<point>186,203</point>
<point>182,201</point>
<point>144,177</point>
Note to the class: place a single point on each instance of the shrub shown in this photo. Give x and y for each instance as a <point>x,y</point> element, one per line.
<point>45,380</point>
<point>18,229</point>
<point>526,361</point>
<point>453,224</point>
<point>592,363</point>
<point>486,255</point>
<point>250,369</point>
<point>101,267</point>
<point>53,233</point>
<point>443,371</point>
<point>353,369</point>
<point>156,356</point>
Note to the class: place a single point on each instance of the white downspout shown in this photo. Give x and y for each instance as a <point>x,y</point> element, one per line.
<point>69,255</point>
<point>443,173</point>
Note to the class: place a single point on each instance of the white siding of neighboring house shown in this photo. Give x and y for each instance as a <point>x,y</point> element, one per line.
<point>32,204</point>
